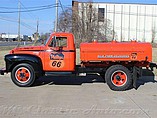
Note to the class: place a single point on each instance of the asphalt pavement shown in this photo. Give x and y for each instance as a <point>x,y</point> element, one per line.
<point>77,97</point>
<point>14,43</point>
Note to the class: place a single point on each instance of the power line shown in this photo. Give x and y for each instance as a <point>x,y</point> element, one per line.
<point>39,9</point>
<point>28,26</point>
<point>27,9</point>
<point>61,6</point>
<point>15,21</point>
<point>50,5</point>
<point>8,19</point>
<point>63,9</point>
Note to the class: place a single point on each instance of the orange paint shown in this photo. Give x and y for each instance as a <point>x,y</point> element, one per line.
<point>116,52</point>
<point>53,58</point>
<point>63,58</point>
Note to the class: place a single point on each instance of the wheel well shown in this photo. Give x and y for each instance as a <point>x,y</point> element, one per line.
<point>14,59</point>
<point>39,70</point>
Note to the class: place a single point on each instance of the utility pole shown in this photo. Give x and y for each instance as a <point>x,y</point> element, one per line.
<point>19,10</point>
<point>37,29</point>
<point>56,21</point>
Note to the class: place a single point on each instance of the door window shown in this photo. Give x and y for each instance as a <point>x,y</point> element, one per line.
<point>59,42</point>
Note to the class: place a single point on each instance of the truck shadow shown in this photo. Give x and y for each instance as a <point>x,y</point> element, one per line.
<point>148,76</point>
<point>68,80</point>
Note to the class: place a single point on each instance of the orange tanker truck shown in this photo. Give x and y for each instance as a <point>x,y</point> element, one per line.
<point>120,62</point>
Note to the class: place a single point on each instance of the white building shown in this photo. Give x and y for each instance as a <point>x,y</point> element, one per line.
<point>12,37</point>
<point>9,36</point>
<point>129,21</point>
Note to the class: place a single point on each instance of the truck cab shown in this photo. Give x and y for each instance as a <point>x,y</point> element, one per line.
<point>59,53</point>
<point>55,55</point>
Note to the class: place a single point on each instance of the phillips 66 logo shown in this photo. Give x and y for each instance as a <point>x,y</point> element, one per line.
<point>57,60</point>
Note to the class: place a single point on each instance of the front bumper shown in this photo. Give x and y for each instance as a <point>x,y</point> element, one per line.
<point>2,71</point>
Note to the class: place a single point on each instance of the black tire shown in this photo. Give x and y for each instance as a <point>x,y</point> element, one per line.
<point>118,78</point>
<point>23,75</point>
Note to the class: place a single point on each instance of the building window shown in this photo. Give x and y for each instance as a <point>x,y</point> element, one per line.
<point>101,14</point>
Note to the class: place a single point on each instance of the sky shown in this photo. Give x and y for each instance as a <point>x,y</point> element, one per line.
<point>46,17</point>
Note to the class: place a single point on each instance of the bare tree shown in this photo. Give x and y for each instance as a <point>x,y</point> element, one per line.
<point>44,36</point>
<point>65,21</point>
<point>153,34</point>
<point>84,23</point>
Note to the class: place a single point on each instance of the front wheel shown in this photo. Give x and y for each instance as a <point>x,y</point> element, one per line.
<point>118,78</point>
<point>23,75</point>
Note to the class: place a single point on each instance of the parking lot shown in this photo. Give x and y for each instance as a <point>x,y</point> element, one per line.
<point>71,96</point>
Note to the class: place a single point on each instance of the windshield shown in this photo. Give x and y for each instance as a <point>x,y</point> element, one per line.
<point>45,42</point>
<point>40,42</point>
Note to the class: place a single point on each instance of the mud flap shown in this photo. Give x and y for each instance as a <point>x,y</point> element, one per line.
<point>2,71</point>
<point>152,66</point>
<point>136,74</point>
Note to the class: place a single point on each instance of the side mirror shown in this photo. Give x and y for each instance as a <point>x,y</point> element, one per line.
<point>53,42</point>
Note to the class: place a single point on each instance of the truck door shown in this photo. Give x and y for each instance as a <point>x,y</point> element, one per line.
<point>57,56</point>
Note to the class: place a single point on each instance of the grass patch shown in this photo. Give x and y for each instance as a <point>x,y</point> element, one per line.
<point>3,51</point>
<point>2,54</point>
<point>4,48</point>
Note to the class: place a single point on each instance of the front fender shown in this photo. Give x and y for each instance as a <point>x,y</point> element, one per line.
<point>14,59</point>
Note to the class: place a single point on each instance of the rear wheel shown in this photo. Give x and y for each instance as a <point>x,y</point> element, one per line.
<point>118,78</point>
<point>23,75</point>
